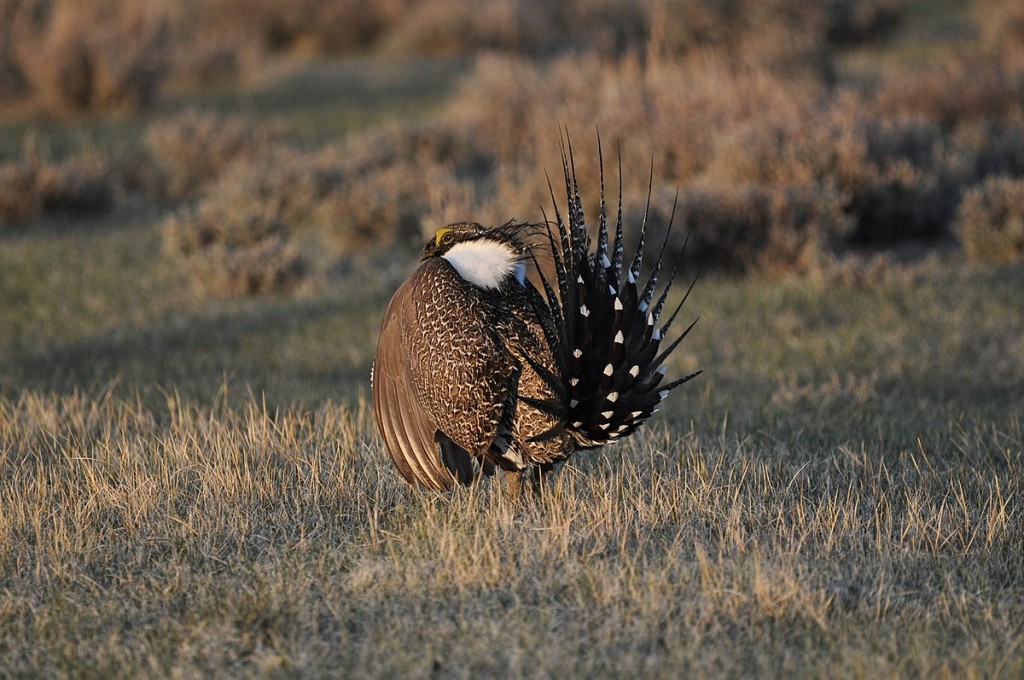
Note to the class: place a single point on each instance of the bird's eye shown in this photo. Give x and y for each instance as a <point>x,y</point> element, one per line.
<point>444,236</point>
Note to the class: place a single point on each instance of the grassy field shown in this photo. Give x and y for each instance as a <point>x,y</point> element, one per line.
<point>191,485</point>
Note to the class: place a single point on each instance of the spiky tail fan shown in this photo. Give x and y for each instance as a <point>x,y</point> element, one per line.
<point>607,330</point>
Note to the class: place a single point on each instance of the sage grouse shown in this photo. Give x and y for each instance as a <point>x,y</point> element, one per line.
<point>478,368</point>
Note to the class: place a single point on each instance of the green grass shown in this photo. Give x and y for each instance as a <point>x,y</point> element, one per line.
<point>100,303</point>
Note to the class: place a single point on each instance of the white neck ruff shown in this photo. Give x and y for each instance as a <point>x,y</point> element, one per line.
<point>485,263</point>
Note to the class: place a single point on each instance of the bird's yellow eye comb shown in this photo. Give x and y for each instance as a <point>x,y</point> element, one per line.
<point>440,234</point>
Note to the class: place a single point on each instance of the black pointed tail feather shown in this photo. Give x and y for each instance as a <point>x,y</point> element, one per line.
<point>608,352</point>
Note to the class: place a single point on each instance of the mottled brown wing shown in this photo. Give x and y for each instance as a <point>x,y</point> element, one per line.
<point>440,366</point>
<point>406,427</point>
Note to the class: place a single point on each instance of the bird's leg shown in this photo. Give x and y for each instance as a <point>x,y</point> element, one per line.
<point>513,483</point>
<point>522,483</point>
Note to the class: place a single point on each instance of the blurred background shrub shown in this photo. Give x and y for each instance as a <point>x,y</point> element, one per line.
<point>990,220</point>
<point>83,185</point>
<point>794,134</point>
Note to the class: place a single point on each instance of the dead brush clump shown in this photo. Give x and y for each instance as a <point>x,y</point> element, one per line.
<point>13,85</point>
<point>525,27</point>
<point>909,185</point>
<point>235,40</point>
<point>82,185</point>
<point>769,166</point>
<point>211,60</point>
<point>73,56</point>
<point>995,147</point>
<point>317,26</point>
<point>19,200</point>
<point>372,192</point>
<point>233,244</point>
<point>395,176</point>
<point>805,140</point>
<point>63,55</point>
<point>850,22</point>
<point>783,35</point>
<point>1001,25</point>
<point>243,237</point>
<point>193,148</point>
<point>958,88</point>
<point>875,270</point>
<point>716,120</point>
<point>753,229</point>
<point>899,175</point>
<point>429,140</point>
<point>675,111</point>
<point>455,27</point>
<point>389,205</point>
<point>990,221</point>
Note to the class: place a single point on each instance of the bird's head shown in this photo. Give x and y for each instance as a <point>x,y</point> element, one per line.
<point>513,235</point>
<point>482,255</point>
<point>448,236</point>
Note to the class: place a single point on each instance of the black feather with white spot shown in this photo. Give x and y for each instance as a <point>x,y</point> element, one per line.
<point>607,331</point>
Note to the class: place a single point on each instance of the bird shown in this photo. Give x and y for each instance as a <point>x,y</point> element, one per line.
<point>489,362</point>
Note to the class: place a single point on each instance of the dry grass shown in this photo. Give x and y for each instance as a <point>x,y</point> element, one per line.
<point>217,539</point>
